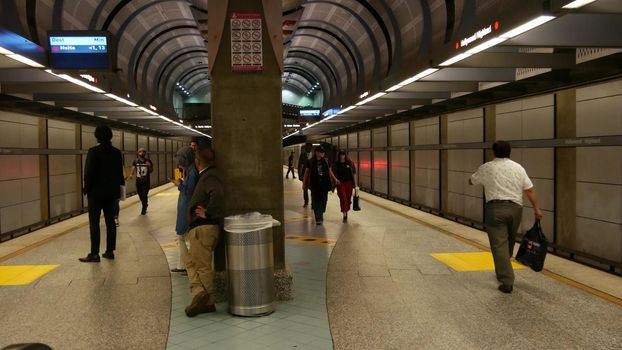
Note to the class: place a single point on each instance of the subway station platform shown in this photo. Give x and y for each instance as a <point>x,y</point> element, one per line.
<point>372,283</point>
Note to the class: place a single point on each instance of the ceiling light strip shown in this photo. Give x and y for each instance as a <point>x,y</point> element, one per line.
<point>577,3</point>
<point>412,79</point>
<point>371,98</point>
<point>536,22</point>
<point>24,60</point>
<point>77,82</point>
<point>120,99</point>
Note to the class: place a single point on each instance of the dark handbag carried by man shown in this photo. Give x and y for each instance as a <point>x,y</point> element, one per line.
<point>356,205</point>
<point>533,248</point>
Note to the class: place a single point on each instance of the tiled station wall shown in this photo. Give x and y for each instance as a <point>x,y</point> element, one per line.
<point>427,162</point>
<point>32,147</point>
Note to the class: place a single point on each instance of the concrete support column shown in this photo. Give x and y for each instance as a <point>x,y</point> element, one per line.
<point>79,166</point>
<point>444,161</point>
<point>247,118</point>
<point>490,129</point>
<point>565,169</point>
<point>44,174</point>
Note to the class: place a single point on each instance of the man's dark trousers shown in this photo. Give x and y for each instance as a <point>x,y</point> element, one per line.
<point>142,187</point>
<point>318,203</point>
<point>502,219</point>
<point>96,205</point>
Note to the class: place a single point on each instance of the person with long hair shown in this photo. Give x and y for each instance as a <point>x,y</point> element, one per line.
<point>344,171</point>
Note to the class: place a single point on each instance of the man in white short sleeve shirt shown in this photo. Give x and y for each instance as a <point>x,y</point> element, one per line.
<point>504,183</point>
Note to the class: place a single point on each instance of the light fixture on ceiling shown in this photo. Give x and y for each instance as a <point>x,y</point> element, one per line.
<point>412,79</point>
<point>120,99</point>
<point>371,98</point>
<point>76,81</point>
<point>577,3</point>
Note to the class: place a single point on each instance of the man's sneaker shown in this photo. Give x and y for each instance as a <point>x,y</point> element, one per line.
<point>199,305</point>
<point>318,222</point>
<point>90,258</point>
<point>108,255</point>
<point>505,288</point>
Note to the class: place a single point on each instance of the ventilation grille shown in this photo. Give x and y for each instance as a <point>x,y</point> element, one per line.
<point>585,54</point>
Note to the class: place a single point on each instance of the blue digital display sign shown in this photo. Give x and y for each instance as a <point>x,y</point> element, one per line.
<point>81,50</point>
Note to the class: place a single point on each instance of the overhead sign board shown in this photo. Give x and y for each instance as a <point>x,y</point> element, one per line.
<point>81,50</point>
<point>310,112</point>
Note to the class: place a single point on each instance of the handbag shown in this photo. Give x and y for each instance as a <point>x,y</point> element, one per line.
<point>356,205</point>
<point>533,248</point>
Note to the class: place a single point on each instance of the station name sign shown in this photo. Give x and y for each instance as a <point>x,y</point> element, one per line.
<point>478,35</point>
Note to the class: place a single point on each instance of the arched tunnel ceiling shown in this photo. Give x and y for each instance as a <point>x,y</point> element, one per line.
<point>348,47</point>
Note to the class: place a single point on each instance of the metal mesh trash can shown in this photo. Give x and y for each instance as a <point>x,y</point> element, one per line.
<point>250,264</point>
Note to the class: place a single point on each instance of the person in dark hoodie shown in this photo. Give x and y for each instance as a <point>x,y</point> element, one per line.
<point>103,177</point>
<point>206,211</point>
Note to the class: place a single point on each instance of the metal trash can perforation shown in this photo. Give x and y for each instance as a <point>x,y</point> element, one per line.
<point>250,264</point>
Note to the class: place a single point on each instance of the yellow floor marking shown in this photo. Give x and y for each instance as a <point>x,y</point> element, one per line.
<point>311,240</point>
<point>167,194</point>
<point>559,278</point>
<point>24,274</point>
<point>475,261</point>
<point>298,218</point>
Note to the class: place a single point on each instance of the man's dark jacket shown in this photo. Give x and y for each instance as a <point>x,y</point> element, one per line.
<point>103,172</point>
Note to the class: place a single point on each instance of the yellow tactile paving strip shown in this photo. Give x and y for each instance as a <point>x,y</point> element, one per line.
<point>474,261</point>
<point>167,194</point>
<point>311,240</point>
<point>23,274</point>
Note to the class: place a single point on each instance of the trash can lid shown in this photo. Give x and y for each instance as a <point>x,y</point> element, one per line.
<point>249,222</point>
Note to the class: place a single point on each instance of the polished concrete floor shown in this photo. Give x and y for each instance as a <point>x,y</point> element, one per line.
<point>369,284</point>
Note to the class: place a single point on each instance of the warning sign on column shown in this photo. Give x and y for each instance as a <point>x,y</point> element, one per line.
<point>246,45</point>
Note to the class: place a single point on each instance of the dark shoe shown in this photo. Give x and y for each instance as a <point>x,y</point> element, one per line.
<point>198,305</point>
<point>305,205</point>
<point>178,270</point>
<point>143,212</point>
<point>90,258</point>
<point>345,219</point>
<point>318,222</point>
<point>506,289</point>
<point>108,255</point>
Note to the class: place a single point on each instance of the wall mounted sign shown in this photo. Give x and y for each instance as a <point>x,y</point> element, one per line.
<point>246,44</point>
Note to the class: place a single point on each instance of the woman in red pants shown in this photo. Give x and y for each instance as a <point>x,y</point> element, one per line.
<point>344,172</point>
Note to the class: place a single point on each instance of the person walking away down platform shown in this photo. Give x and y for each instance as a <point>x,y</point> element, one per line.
<point>305,156</point>
<point>504,183</point>
<point>206,210</point>
<point>142,167</point>
<point>290,166</point>
<point>320,179</point>
<point>344,172</point>
<point>186,185</point>
<point>103,177</point>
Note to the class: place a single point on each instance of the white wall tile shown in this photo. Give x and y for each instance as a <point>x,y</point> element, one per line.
<point>509,126</point>
<point>62,165</point>
<point>599,238</point>
<point>508,107</point>
<point>30,212</point>
<point>538,102</point>
<point>538,162</point>
<point>600,90</point>
<point>599,164</point>
<point>364,139</point>
<point>10,218</point>
<point>599,201</point>
<point>538,123</point>
<point>353,140</point>
<point>63,204</point>
<point>600,117</point>
<point>61,184</point>
<point>473,208</point>
<point>379,137</point>
<point>400,134</point>
<point>21,118</point>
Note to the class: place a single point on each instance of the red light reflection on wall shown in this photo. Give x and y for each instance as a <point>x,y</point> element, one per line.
<point>365,165</point>
<point>380,164</point>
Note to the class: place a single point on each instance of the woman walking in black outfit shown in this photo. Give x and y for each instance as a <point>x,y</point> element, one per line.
<point>344,172</point>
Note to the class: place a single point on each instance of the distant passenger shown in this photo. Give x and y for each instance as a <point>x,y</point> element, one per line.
<point>504,183</point>
<point>185,160</point>
<point>206,209</point>
<point>320,179</point>
<point>290,166</point>
<point>305,156</point>
<point>344,172</point>
<point>103,177</point>
<point>142,167</point>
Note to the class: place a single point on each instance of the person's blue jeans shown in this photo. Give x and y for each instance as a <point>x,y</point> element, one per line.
<point>318,203</point>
